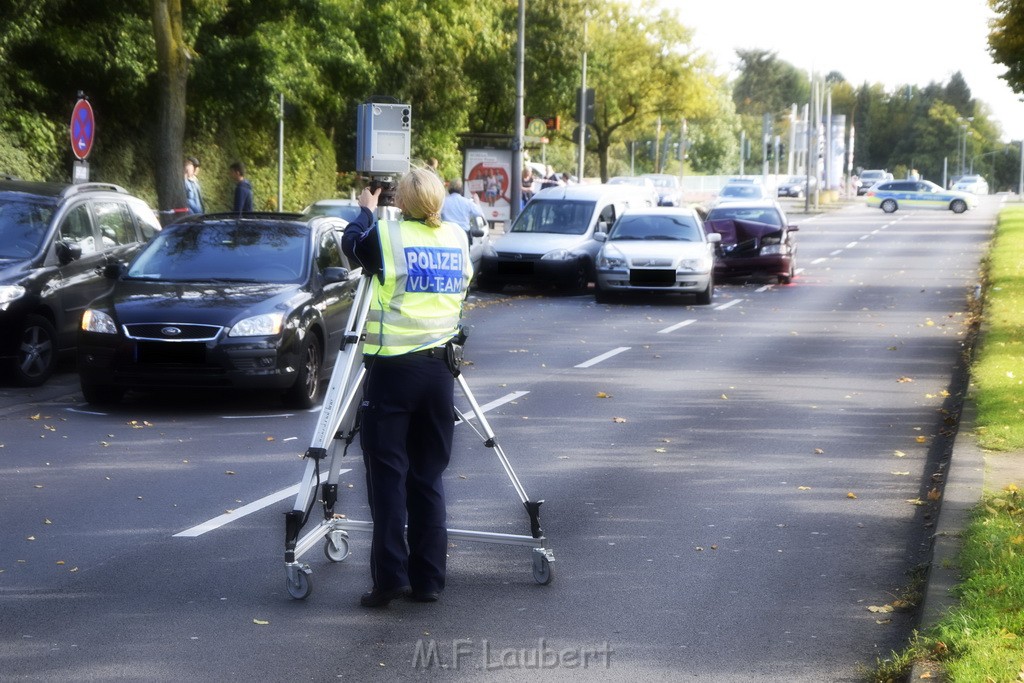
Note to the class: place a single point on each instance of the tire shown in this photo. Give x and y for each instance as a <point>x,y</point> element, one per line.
<point>306,390</point>
<point>101,394</point>
<point>787,277</point>
<point>704,298</point>
<point>889,205</point>
<point>579,281</point>
<point>36,354</point>
<point>603,296</point>
<point>958,206</point>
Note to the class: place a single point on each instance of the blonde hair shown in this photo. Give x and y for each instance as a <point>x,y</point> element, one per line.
<point>420,195</point>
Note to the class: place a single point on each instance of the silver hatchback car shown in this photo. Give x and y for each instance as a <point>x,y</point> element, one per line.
<point>657,249</point>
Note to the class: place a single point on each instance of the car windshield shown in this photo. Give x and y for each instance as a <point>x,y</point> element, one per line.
<point>23,226</point>
<point>756,214</point>
<point>669,182</point>
<point>225,252</point>
<point>560,217</point>
<point>680,228</point>
<point>348,212</point>
<point>871,174</point>
<point>747,191</point>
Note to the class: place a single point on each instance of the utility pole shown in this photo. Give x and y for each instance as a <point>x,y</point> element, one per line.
<point>517,144</point>
<point>583,108</point>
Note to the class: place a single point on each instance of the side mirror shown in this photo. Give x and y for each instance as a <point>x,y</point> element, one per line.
<point>601,236</point>
<point>67,252</point>
<point>114,271</point>
<point>792,228</point>
<point>335,274</point>
<point>714,237</point>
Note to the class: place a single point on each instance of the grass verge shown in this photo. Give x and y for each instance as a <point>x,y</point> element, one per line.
<point>982,638</point>
<point>998,370</point>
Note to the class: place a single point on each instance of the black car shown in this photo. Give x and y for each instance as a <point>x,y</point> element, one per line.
<point>55,241</point>
<point>223,301</point>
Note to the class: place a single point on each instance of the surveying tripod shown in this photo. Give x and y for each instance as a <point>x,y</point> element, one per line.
<point>338,423</point>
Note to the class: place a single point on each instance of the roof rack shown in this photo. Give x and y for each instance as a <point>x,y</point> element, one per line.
<point>91,187</point>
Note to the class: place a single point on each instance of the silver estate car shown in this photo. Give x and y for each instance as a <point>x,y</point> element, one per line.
<point>658,249</point>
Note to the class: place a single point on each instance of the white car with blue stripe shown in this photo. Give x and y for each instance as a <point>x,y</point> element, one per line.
<point>918,194</point>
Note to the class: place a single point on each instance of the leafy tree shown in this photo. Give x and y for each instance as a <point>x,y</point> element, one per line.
<point>639,71</point>
<point>173,56</point>
<point>1005,42</point>
<point>767,83</point>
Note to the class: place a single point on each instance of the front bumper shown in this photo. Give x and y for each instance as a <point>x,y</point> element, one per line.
<point>772,265</point>
<point>652,280</point>
<point>246,363</point>
<point>529,270</point>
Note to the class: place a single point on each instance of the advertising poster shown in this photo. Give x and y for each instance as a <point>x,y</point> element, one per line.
<point>488,174</point>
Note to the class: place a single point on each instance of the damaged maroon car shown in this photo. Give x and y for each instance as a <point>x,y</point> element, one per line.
<point>757,240</point>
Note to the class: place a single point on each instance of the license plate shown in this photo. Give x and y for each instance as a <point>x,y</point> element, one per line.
<point>652,277</point>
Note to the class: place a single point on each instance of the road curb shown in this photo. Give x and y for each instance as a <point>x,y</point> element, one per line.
<point>965,479</point>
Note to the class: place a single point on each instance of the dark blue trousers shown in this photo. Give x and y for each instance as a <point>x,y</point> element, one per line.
<point>406,436</point>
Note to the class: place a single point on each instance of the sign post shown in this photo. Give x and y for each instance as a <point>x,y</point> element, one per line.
<point>83,133</point>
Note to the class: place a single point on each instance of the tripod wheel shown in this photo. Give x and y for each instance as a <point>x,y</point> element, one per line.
<point>301,587</point>
<point>543,572</point>
<point>336,547</point>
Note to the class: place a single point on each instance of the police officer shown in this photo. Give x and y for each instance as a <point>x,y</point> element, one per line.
<point>421,272</point>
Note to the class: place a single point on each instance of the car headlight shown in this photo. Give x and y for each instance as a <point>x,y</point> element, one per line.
<point>696,265</point>
<point>769,249</point>
<point>10,293</point>
<point>611,258</point>
<point>258,326</point>
<point>556,255</point>
<point>98,322</point>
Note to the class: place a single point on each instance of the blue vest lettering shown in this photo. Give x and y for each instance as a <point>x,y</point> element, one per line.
<point>433,269</point>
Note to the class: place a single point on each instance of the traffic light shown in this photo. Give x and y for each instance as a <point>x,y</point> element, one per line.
<point>587,116</point>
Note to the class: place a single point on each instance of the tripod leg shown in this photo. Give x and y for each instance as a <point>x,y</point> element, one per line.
<point>532,507</point>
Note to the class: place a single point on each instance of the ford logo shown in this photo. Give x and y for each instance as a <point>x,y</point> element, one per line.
<point>170,331</point>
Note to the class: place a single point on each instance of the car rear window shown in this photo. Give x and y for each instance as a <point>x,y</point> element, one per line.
<point>755,214</point>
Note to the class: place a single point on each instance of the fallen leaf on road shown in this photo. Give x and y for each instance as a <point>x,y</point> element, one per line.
<point>921,439</point>
<point>915,501</point>
<point>903,380</point>
<point>934,494</point>
<point>818,451</point>
<point>851,494</point>
<point>884,609</point>
<point>601,394</point>
<point>618,419</point>
<point>260,622</point>
<point>899,454</point>
<point>803,488</point>
<point>36,416</point>
<point>660,450</point>
<point>229,472</point>
<point>724,397</point>
<point>270,438</point>
<point>900,474</point>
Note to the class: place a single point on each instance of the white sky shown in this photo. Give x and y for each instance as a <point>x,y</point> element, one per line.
<point>893,42</point>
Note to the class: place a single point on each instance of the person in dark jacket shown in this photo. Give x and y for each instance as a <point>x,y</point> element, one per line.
<point>243,190</point>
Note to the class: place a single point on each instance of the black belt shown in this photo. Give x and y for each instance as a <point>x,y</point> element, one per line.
<point>433,352</point>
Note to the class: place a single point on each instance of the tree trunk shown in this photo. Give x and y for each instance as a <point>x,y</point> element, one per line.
<point>172,73</point>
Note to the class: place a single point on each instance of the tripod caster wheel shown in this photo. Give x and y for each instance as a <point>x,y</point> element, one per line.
<point>543,572</point>
<point>301,586</point>
<point>336,548</point>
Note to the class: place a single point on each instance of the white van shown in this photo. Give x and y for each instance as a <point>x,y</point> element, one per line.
<point>552,240</point>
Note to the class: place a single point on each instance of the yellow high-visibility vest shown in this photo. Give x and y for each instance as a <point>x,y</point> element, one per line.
<point>426,276</point>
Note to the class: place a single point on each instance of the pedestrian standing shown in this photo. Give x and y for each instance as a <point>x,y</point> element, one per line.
<point>420,272</point>
<point>242,202</point>
<point>457,207</point>
<point>193,193</point>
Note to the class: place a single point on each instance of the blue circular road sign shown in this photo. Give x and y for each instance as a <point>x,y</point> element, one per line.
<point>83,129</point>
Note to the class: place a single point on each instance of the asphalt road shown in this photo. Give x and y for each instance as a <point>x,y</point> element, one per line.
<point>729,490</point>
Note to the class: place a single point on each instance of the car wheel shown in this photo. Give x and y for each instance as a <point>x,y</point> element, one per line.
<point>579,280</point>
<point>889,205</point>
<point>704,298</point>
<point>101,394</point>
<point>603,296</point>
<point>36,354</point>
<point>306,390</point>
<point>958,206</point>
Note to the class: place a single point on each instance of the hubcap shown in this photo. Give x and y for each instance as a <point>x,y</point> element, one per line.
<point>36,352</point>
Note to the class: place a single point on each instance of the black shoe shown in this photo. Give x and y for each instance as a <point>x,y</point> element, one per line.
<point>425,596</point>
<point>378,598</point>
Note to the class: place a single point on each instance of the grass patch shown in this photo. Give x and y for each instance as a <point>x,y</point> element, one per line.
<point>982,639</point>
<point>998,370</point>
